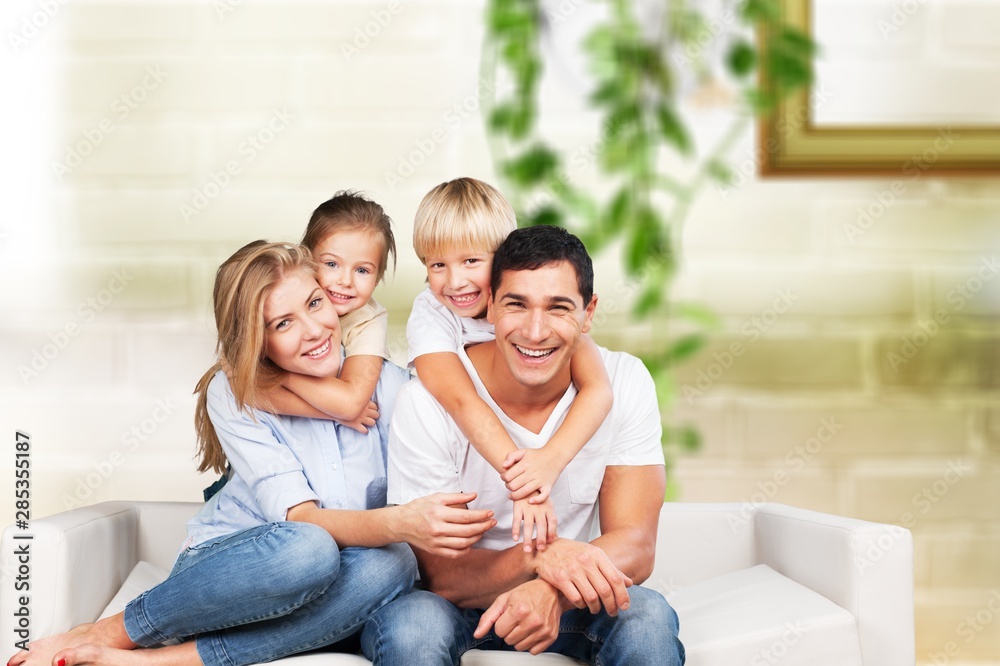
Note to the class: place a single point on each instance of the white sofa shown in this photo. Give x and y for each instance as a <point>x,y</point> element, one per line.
<point>757,586</point>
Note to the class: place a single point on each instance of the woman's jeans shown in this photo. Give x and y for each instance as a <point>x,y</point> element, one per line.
<point>267,592</point>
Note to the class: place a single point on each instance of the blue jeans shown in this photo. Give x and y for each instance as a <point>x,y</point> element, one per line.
<point>423,623</point>
<point>267,592</point>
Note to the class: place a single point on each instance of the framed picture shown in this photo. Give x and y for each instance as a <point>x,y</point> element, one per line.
<point>886,119</point>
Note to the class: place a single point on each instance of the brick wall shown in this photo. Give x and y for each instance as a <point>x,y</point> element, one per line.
<point>206,125</point>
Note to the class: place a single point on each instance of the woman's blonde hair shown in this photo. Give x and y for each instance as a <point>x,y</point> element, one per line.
<point>464,213</point>
<point>242,284</point>
<point>352,211</point>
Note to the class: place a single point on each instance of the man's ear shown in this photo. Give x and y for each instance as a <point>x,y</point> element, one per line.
<point>489,306</point>
<point>588,314</point>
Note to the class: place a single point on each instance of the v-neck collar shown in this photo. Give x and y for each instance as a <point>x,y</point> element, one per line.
<point>551,423</point>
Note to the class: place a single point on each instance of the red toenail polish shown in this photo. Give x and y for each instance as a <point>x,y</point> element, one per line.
<point>61,662</point>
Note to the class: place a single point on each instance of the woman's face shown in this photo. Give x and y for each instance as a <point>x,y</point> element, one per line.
<point>302,330</point>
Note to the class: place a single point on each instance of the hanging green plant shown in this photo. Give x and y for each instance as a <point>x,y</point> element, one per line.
<point>635,90</point>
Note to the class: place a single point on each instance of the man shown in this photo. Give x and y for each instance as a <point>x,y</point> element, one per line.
<point>574,597</point>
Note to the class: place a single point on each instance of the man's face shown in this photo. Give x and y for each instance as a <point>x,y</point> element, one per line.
<point>540,318</point>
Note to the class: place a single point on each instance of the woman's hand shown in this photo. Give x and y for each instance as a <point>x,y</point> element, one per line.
<point>441,524</point>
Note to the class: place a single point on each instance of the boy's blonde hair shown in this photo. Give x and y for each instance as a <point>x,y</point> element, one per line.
<point>242,284</point>
<point>462,213</point>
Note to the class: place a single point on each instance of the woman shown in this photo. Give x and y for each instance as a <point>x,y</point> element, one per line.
<point>298,548</point>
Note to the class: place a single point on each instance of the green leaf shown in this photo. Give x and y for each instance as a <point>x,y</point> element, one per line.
<point>521,121</point>
<point>532,167</point>
<point>741,58</point>
<point>649,299</point>
<point>673,129</point>
<point>619,210</point>
<point>794,41</point>
<point>608,92</point>
<point>500,117</point>
<point>698,314</point>
<point>685,347</point>
<point>549,215</point>
<point>645,240</point>
<point>719,171</point>
<point>504,19</point>
<point>762,10</point>
<point>686,436</point>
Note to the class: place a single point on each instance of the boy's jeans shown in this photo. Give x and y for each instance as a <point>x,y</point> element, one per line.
<point>426,624</point>
<point>269,591</point>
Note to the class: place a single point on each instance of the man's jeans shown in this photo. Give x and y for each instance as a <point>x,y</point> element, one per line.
<point>424,628</point>
<point>267,592</point>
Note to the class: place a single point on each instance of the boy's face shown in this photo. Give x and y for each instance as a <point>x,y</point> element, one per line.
<point>348,267</point>
<point>460,280</point>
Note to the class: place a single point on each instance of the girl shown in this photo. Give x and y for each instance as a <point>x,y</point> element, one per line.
<point>298,548</point>
<point>351,240</point>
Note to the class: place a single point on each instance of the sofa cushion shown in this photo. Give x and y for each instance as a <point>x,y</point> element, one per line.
<point>143,577</point>
<point>757,617</point>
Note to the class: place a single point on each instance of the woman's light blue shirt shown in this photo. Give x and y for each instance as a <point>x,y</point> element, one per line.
<point>280,461</point>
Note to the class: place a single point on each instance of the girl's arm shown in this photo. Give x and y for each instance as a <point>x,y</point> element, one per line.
<point>281,400</point>
<point>344,398</point>
<point>529,470</point>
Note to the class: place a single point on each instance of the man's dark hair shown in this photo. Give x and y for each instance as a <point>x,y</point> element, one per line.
<point>531,248</point>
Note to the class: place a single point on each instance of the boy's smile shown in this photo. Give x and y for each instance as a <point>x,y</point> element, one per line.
<point>460,280</point>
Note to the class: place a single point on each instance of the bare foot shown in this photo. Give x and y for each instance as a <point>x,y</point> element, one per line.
<point>40,652</point>
<point>185,654</point>
<point>109,632</point>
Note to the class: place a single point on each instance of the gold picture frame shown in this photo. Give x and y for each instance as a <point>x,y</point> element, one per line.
<point>792,146</point>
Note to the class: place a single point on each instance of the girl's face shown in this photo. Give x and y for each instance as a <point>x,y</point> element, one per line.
<point>302,330</point>
<point>349,262</point>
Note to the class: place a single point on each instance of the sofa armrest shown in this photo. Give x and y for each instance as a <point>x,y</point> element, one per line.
<point>162,530</point>
<point>74,564</point>
<point>864,567</point>
<point>696,541</point>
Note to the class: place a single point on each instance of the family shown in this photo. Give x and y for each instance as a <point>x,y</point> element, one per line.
<point>410,519</point>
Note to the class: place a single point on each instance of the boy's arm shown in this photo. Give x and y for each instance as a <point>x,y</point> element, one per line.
<point>343,398</point>
<point>447,380</point>
<point>531,470</point>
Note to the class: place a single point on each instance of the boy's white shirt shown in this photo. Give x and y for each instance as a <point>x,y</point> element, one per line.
<point>428,453</point>
<point>433,328</point>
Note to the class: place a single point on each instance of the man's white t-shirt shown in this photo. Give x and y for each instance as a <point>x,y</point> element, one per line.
<point>428,453</point>
<point>433,328</point>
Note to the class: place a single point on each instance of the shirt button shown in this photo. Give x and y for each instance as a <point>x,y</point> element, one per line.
<point>338,504</point>
<point>334,465</point>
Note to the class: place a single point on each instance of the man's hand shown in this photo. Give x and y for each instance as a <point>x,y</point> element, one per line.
<point>585,575</point>
<point>540,517</point>
<point>526,617</point>
<point>363,422</point>
<point>440,524</point>
<point>529,470</point>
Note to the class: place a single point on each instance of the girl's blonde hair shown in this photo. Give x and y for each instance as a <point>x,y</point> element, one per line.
<point>349,210</point>
<point>465,214</point>
<point>242,284</point>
